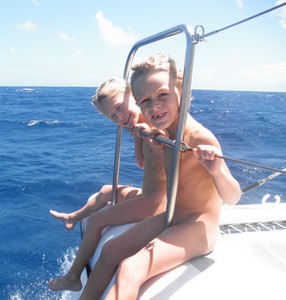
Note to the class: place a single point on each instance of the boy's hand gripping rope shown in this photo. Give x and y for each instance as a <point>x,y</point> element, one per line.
<point>184,148</point>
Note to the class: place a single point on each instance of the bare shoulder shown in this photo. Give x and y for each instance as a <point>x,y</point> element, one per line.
<point>197,134</point>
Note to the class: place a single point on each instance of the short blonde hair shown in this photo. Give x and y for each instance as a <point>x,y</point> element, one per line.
<point>109,89</point>
<point>154,63</point>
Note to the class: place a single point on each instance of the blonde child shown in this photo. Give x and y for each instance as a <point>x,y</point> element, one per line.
<point>114,100</point>
<point>204,183</point>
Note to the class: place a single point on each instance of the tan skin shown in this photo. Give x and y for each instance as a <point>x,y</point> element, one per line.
<point>204,182</point>
<point>94,203</point>
<point>123,112</point>
<point>134,205</point>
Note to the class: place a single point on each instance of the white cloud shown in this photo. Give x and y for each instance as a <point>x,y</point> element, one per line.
<point>239,3</point>
<point>112,34</point>
<point>65,37</point>
<point>36,2</point>
<point>281,13</point>
<point>78,52</point>
<point>266,75</point>
<point>12,49</point>
<point>27,26</point>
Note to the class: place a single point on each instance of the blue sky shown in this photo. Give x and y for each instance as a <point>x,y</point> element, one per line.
<point>83,43</point>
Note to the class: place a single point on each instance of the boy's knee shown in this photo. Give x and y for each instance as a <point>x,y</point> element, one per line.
<point>92,197</point>
<point>124,269</point>
<point>128,271</point>
<point>105,192</point>
<point>107,188</point>
<point>129,277</point>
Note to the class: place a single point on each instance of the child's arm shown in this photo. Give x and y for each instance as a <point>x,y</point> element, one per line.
<point>228,188</point>
<point>158,147</point>
<point>139,156</point>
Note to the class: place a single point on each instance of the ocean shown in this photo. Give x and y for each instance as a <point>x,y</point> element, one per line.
<point>56,150</point>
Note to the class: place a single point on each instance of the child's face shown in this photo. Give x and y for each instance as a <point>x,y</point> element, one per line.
<point>122,110</point>
<point>158,98</point>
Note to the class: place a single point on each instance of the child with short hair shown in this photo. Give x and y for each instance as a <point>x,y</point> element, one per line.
<point>204,183</point>
<point>114,100</point>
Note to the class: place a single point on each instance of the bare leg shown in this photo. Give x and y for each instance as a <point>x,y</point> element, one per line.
<point>173,247</point>
<point>70,219</point>
<point>118,249</point>
<point>71,281</point>
<point>94,203</point>
<point>114,215</point>
<point>67,219</point>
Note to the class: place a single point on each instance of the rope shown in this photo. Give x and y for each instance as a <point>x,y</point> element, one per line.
<point>242,21</point>
<point>184,148</point>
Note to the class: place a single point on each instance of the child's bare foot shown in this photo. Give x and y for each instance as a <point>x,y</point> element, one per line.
<point>65,283</point>
<point>66,218</point>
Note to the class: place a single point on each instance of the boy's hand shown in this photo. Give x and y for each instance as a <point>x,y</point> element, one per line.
<point>206,155</point>
<point>153,132</point>
<point>135,130</point>
<point>158,147</point>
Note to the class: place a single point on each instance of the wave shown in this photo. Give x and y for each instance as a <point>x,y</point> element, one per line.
<point>25,90</point>
<point>45,123</point>
<point>38,288</point>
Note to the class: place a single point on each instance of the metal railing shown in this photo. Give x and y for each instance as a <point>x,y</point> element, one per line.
<point>184,108</point>
<point>191,41</point>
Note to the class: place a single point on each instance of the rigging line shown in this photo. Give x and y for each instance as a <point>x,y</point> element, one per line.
<point>184,147</point>
<point>251,164</point>
<point>260,182</point>
<point>242,21</point>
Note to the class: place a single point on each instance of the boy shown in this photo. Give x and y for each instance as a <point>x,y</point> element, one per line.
<point>114,100</point>
<point>204,183</point>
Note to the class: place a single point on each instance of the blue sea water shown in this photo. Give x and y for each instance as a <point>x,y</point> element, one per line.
<point>56,150</point>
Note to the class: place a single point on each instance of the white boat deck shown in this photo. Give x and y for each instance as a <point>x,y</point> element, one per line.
<point>248,262</point>
<point>242,266</point>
